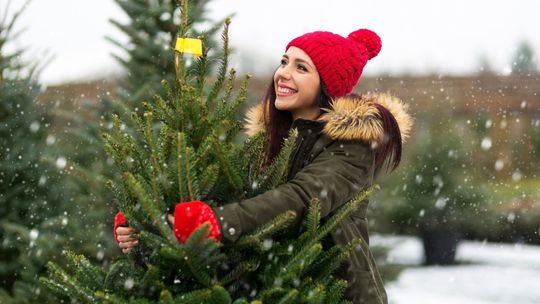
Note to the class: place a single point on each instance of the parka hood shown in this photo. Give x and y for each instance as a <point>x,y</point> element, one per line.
<point>349,118</point>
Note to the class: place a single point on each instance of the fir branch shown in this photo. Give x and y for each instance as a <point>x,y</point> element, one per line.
<point>154,158</point>
<point>165,140</point>
<point>108,298</point>
<point>192,174</point>
<point>335,257</point>
<point>253,152</point>
<point>233,130</point>
<point>184,17</point>
<point>163,111</point>
<point>335,291</point>
<point>113,149</point>
<point>221,107</point>
<point>314,294</point>
<point>126,153</point>
<point>300,262</point>
<point>222,71</point>
<point>201,67</point>
<point>227,109</point>
<point>277,171</point>
<point>196,247</point>
<point>313,217</point>
<point>178,64</point>
<point>241,269</point>
<point>233,176</point>
<point>115,273</point>
<point>151,280</point>
<point>87,274</point>
<point>322,264</point>
<point>185,169</point>
<point>180,143</point>
<point>204,149</point>
<point>164,144</point>
<point>156,218</point>
<point>64,284</point>
<point>208,180</point>
<point>290,297</point>
<point>257,237</point>
<point>126,203</point>
<point>149,239</point>
<point>229,87</point>
<point>269,295</point>
<point>343,212</point>
<point>215,294</point>
<point>165,297</point>
<point>175,101</point>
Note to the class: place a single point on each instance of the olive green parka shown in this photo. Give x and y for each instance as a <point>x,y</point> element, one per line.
<point>333,160</point>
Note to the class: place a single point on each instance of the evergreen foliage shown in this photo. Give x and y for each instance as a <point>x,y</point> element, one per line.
<point>180,148</point>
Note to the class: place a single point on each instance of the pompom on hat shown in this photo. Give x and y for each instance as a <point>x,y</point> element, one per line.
<point>339,60</point>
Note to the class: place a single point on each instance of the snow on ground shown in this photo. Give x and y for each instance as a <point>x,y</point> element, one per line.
<point>488,273</point>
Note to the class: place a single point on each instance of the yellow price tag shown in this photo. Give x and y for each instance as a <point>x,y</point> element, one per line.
<point>189,45</point>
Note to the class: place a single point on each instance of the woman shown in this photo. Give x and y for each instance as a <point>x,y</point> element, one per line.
<point>343,142</point>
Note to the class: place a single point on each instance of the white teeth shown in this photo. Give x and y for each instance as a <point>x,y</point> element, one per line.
<point>285,90</point>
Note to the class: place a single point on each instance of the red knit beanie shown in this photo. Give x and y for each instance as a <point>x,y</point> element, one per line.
<point>339,60</point>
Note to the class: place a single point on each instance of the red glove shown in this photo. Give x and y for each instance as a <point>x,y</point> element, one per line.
<point>119,220</point>
<point>189,216</point>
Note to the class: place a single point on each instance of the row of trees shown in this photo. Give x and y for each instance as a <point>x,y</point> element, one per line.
<point>524,61</point>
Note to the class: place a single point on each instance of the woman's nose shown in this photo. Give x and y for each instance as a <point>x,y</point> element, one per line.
<point>283,72</point>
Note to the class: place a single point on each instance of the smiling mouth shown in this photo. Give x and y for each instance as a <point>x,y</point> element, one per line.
<point>285,91</point>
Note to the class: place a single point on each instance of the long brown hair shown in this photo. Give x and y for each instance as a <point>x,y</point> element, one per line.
<point>278,123</point>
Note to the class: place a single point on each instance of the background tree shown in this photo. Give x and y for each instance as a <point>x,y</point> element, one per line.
<point>151,30</point>
<point>30,191</point>
<point>43,209</point>
<point>524,60</point>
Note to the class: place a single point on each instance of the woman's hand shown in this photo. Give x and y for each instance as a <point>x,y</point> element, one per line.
<point>125,239</point>
<point>124,235</point>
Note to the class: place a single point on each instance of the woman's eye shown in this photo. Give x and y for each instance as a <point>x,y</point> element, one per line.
<point>283,62</point>
<point>303,68</point>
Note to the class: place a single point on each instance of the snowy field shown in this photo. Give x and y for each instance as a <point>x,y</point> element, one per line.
<point>489,273</point>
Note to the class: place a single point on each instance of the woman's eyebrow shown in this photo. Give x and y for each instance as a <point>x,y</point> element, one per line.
<point>298,60</point>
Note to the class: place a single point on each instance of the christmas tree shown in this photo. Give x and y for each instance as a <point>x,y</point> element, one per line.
<point>182,148</point>
<point>75,138</point>
<point>151,29</point>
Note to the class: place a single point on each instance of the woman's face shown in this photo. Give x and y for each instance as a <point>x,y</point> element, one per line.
<point>297,85</point>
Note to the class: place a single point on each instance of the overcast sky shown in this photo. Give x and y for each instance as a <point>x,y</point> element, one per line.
<point>419,36</point>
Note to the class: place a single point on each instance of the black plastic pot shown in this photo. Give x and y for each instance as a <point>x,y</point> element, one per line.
<point>440,247</point>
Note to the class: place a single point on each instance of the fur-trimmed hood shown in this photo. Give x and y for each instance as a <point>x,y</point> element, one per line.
<point>350,118</point>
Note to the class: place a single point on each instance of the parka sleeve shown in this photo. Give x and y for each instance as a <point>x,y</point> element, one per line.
<point>341,171</point>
